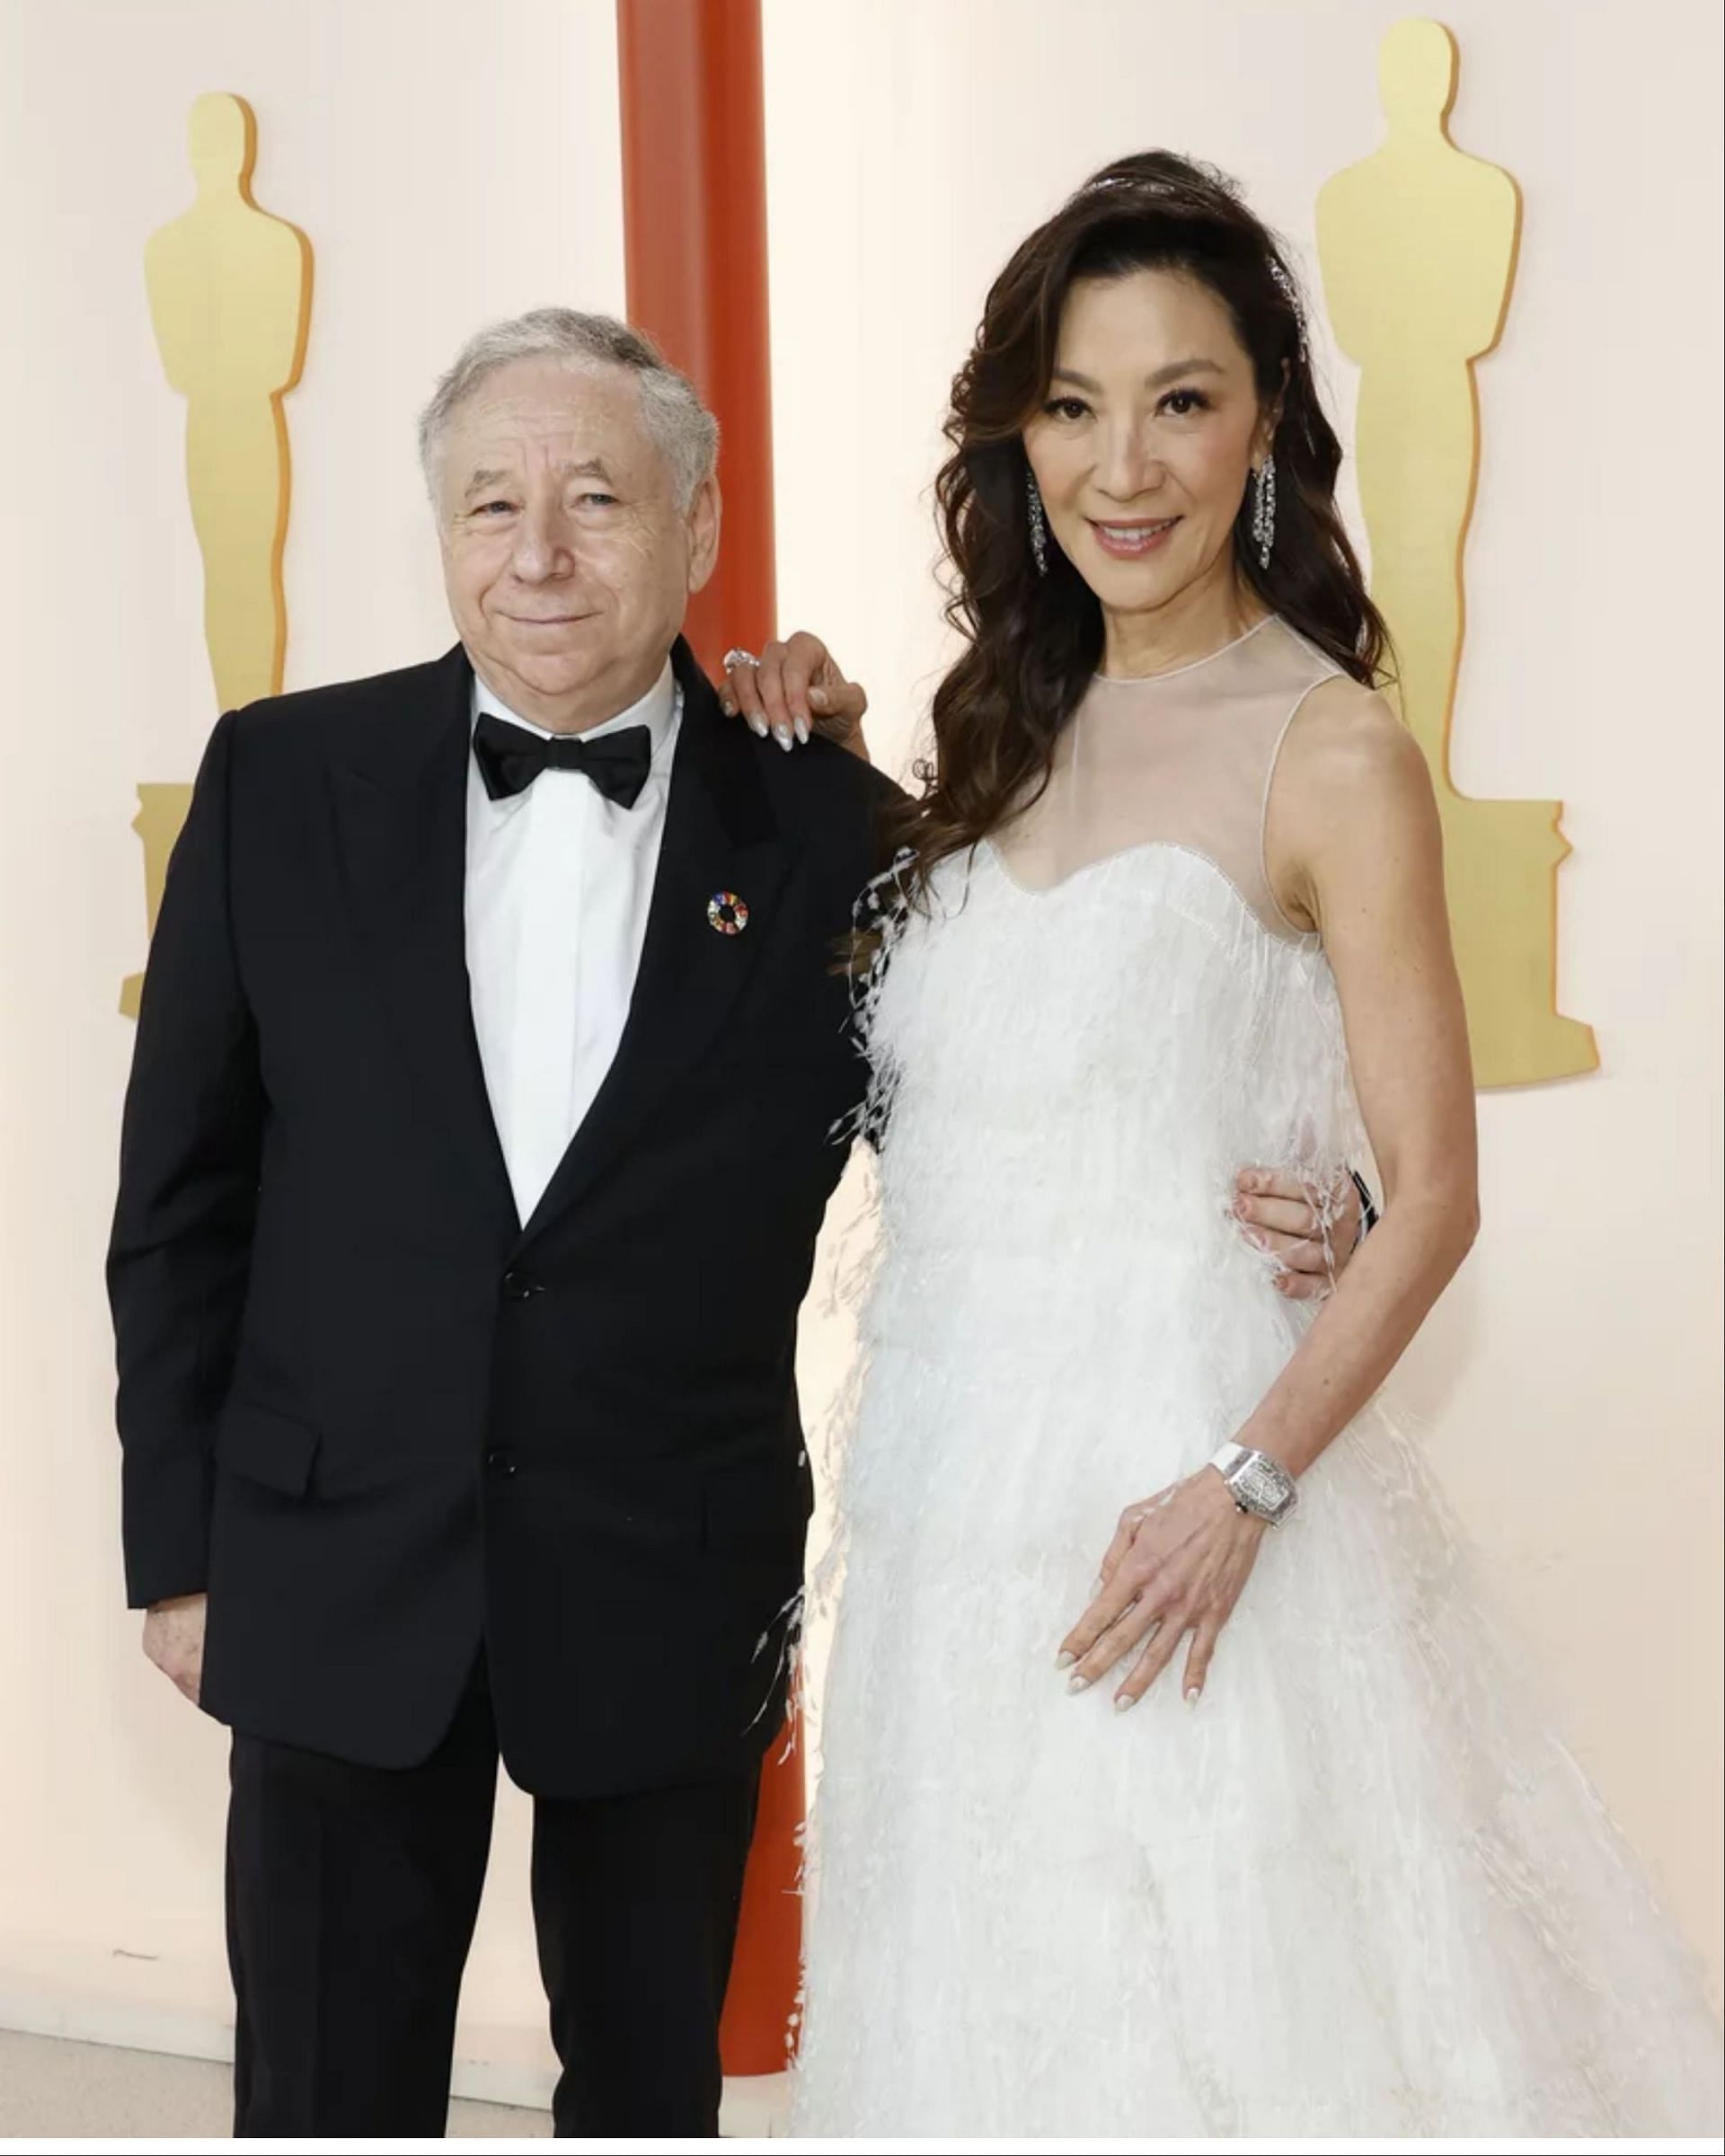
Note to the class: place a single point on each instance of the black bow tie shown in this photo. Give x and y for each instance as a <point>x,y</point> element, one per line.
<point>510,758</point>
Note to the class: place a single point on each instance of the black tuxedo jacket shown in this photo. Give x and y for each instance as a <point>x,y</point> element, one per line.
<point>377,1417</point>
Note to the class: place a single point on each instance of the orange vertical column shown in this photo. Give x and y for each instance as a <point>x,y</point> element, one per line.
<point>694,235</point>
<point>695,230</point>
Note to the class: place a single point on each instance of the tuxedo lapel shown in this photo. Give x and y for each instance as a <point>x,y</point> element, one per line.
<point>400,807</point>
<point>720,836</point>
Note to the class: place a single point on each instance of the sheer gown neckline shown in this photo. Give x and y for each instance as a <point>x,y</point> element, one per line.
<point>1184,758</point>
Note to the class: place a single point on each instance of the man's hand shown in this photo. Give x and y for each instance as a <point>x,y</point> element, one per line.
<point>1278,1212</point>
<point>173,1640</point>
<point>794,690</point>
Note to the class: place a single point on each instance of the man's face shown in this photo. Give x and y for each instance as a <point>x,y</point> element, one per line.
<point>567,560</point>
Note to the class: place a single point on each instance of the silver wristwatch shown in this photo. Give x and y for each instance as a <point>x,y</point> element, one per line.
<point>1258,1484</point>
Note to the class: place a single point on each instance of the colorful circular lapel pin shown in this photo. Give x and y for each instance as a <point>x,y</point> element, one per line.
<point>727,913</point>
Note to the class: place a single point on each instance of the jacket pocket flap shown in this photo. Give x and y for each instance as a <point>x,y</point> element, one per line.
<point>269,1448</point>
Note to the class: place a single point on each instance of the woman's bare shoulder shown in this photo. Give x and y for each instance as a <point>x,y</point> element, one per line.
<point>1347,744</point>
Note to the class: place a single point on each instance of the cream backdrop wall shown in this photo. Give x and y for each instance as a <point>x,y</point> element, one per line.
<point>450,164</point>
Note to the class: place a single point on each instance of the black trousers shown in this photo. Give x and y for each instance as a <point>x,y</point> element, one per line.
<point>352,1896</point>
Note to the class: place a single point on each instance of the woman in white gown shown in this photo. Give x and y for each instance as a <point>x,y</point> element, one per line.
<point>1173,899</point>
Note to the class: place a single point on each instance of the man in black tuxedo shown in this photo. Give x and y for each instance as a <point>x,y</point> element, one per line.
<point>479,1132</point>
<point>478,1135</point>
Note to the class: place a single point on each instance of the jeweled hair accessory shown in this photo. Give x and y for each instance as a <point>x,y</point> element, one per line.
<point>1148,184</point>
<point>1196,183</point>
<point>1290,292</point>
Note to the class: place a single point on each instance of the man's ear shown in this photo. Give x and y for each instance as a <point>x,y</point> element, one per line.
<point>705,514</point>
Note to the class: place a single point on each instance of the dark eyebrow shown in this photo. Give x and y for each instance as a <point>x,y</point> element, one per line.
<point>482,480</point>
<point>1159,380</point>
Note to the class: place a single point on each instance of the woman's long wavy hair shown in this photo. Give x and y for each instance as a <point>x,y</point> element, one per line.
<point>1032,642</point>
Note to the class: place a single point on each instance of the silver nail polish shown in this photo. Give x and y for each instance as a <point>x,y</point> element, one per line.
<point>802,729</point>
<point>782,735</point>
<point>759,726</point>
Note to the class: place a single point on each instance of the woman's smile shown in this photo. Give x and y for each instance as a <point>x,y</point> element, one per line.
<point>1129,541</point>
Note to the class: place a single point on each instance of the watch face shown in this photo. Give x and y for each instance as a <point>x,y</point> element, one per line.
<point>1263,1487</point>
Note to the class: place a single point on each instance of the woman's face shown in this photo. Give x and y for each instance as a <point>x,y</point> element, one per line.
<point>1146,438</point>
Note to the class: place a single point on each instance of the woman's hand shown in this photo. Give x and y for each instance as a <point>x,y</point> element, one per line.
<point>1176,1565</point>
<point>1279,1212</point>
<point>795,690</point>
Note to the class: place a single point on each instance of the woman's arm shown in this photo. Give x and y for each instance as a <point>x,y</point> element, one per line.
<point>1353,846</point>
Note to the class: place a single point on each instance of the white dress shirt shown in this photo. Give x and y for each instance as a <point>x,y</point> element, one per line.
<point>559,883</point>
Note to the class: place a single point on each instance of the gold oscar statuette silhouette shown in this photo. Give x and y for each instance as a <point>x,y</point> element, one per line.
<point>1418,245</point>
<point>230,298</point>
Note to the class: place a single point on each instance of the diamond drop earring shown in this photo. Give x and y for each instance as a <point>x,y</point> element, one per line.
<point>1264,512</point>
<point>1039,524</point>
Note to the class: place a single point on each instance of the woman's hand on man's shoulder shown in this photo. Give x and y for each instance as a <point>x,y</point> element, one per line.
<point>794,690</point>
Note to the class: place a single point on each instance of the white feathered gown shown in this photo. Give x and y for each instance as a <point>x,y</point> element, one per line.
<point>1359,1890</point>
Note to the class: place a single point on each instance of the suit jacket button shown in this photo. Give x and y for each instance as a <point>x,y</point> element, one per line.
<point>499,1462</point>
<point>518,1286</point>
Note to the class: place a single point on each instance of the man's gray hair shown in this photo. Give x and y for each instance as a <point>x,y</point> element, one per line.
<point>684,431</point>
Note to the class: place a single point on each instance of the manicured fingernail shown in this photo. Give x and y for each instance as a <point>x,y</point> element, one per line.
<point>783,735</point>
<point>818,696</point>
<point>1066,1661</point>
<point>1122,1701</point>
<point>1078,1683</point>
<point>727,707</point>
<point>803,727</point>
<point>759,725</point>
<point>1191,1697</point>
